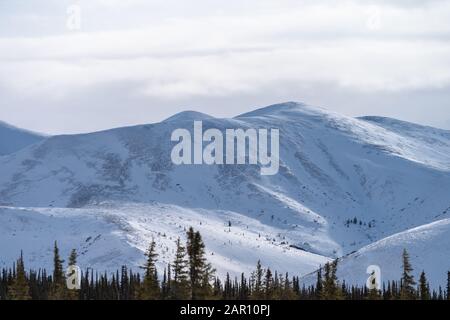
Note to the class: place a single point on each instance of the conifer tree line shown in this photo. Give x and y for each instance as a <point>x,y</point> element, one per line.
<point>191,277</point>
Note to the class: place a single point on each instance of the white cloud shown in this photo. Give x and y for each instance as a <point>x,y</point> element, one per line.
<point>173,50</point>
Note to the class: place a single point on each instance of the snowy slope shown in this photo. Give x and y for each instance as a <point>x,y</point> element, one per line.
<point>13,139</point>
<point>390,175</point>
<point>427,245</point>
<point>425,142</point>
<point>112,235</point>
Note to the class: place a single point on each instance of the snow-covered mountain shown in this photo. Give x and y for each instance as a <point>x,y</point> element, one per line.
<point>344,183</point>
<point>13,139</point>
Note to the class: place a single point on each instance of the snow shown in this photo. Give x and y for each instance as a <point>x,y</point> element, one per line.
<point>427,246</point>
<point>13,139</point>
<point>189,116</point>
<point>391,174</point>
<point>111,235</point>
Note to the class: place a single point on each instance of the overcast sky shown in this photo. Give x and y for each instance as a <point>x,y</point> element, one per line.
<point>140,61</point>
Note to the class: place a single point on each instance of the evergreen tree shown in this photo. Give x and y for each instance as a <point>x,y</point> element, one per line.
<point>424,288</point>
<point>180,285</point>
<point>395,290</point>
<point>15,283</point>
<point>150,287</point>
<point>19,289</point>
<point>257,282</point>
<point>288,292</point>
<point>227,288</point>
<point>73,294</point>
<point>244,291</point>
<point>58,273</point>
<point>200,271</point>
<point>207,276</point>
<point>73,258</point>
<point>164,285</point>
<point>124,284</point>
<point>319,286</point>
<point>217,288</point>
<point>169,282</point>
<point>407,291</point>
<point>59,286</point>
<point>268,285</point>
<point>448,285</point>
<point>330,286</point>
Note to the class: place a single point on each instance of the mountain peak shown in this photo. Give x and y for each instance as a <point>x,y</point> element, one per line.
<point>188,115</point>
<point>284,109</point>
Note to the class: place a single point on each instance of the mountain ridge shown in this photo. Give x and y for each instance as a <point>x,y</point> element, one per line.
<point>333,169</point>
<point>12,138</point>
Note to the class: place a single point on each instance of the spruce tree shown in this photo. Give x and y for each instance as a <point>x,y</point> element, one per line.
<point>441,295</point>
<point>73,258</point>
<point>424,288</point>
<point>194,263</point>
<point>58,272</point>
<point>19,289</point>
<point>150,287</point>
<point>217,288</point>
<point>164,285</point>
<point>59,286</point>
<point>180,284</point>
<point>257,282</point>
<point>288,292</point>
<point>169,282</point>
<point>319,286</point>
<point>200,271</point>
<point>268,284</point>
<point>227,288</point>
<point>448,285</point>
<point>407,291</point>
<point>244,291</point>
<point>124,284</point>
<point>207,275</point>
<point>73,294</point>
<point>330,286</point>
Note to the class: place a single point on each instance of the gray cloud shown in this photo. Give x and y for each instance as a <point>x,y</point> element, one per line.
<point>143,60</point>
